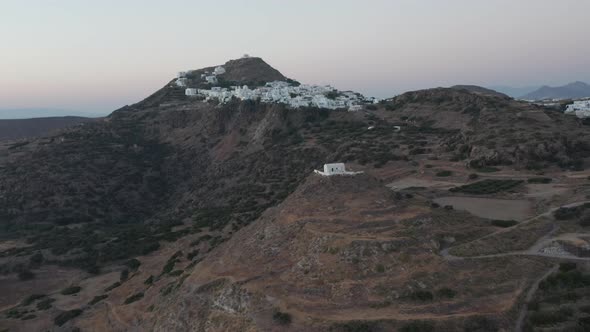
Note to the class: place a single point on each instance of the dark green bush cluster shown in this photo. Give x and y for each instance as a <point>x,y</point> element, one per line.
<point>113,286</point>
<point>550,317</point>
<point>282,318</point>
<point>540,180</point>
<point>418,326</point>
<point>565,213</point>
<point>97,299</point>
<point>421,295</point>
<point>568,280</point>
<point>45,303</point>
<point>446,293</point>
<point>354,326</point>
<point>71,290</point>
<point>488,186</point>
<point>504,223</point>
<point>31,298</point>
<point>134,298</point>
<point>65,316</point>
<point>444,173</point>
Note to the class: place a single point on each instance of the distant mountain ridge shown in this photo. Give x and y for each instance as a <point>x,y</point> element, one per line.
<point>29,128</point>
<point>572,90</point>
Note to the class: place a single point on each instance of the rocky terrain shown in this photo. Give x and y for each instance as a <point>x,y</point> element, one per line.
<point>180,214</point>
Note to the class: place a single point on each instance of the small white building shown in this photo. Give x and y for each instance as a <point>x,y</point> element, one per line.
<point>335,169</point>
<point>219,70</point>
<point>181,82</point>
<point>211,79</point>
<point>190,92</point>
<point>580,108</point>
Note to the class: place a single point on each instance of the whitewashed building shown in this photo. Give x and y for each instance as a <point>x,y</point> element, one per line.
<point>219,70</point>
<point>212,79</point>
<point>190,92</point>
<point>580,108</point>
<point>181,82</point>
<point>335,169</point>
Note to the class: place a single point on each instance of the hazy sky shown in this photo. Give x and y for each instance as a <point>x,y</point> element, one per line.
<point>96,56</point>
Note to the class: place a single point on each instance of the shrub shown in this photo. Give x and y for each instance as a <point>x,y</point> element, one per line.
<point>134,298</point>
<point>488,169</point>
<point>97,299</point>
<point>71,290</point>
<point>550,317</point>
<point>444,173</point>
<point>65,316</point>
<point>282,318</point>
<point>133,264</point>
<point>473,176</point>
<point>567,266</point>
<point>26,275</point>
<point>504,223</point>
<point>446,292</point>
<point>124,275</point>
<point>31,298</point>
<point>380,268</point>
<point>37,258</point>
<point>113,286</point>
<point>45,303</point>
<point>354,326</point>
<point>421,296</point>
<point>480,324</point>
<point>540,180</point>
<point>418,326</point>
<point>175,273</point>
<point>149,280</point>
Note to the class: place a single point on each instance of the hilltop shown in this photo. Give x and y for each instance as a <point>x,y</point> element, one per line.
<point>184,213</point>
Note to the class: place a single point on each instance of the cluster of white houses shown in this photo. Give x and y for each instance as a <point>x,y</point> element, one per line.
<point>295,96</point>
<point>580,108</point>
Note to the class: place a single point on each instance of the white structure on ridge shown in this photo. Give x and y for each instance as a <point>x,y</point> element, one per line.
<point>580,108</point>
<point>212,79</point>
<point>335,169</point>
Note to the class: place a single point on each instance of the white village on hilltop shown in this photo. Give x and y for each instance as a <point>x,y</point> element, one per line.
<point>580,108</point>
<point>293,95</point>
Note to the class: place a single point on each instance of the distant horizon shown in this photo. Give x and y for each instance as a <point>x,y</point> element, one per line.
<point>99,56</point>
<point>19,113</point>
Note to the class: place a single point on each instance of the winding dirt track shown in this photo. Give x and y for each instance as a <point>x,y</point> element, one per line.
<point>529,296</point>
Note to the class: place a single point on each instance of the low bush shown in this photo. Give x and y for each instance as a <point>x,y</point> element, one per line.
<point>550,317</point>
<point>134,298</point>
<point>45,304</point>
<point>282,318</point>
<point>421,296</point>
<point>97,299</point>
<point>65,316</point>
<point>25,275</point>
<point>567,266</point>
<point>504,223</point>
<point>113,286</point>
<point>71,290</point>
<point>418,326</point>
<point>31,298</point>
<point>444,173</point>
<point>133,264</point>
<point>540,180</point>
<point>149,280</point>
<point>446,293</point>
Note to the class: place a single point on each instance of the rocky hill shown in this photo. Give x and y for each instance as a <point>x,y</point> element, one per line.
<point>569,91</point>
<point>217,204</point>
<point>29,128</point>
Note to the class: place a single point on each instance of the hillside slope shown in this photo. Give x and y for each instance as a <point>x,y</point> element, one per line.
<point>169,180</point>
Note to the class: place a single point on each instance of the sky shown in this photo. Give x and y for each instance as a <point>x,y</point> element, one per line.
<point>96,56</point>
